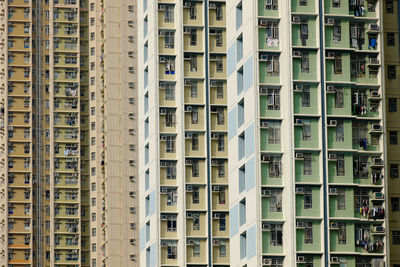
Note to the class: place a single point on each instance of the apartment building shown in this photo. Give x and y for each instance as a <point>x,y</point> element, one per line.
<point>183,189</point>
<point>306,119</point>
<point>392,97</point>
<point>67,133</point>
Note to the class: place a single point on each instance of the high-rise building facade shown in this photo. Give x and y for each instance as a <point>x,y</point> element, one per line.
<point>183,149</point>
<point>306,120</point>
<point>391,28</point>
<point>67,133</point>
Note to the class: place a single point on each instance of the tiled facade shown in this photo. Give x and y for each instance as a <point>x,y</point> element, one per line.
<point>307,171</point>
<point>67,133</point>
<point>183,133</point>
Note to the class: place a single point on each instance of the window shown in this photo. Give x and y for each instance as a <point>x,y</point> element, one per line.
<point>337,30</point>
<point>169,13</point>
<point>275,201</point>
<point>222,249</point>
<point>196,222</point>
<point>308,198</point>
<point>305,62</point>
<point>242,212</point>
<point>342,233</point>
<point>389,6</point>
<point>396,237</point>
<point>222,222</point>
<point>193,89</point>
<point>392,104</point>
<point>221,169</point>
<point>195,168</point>
<point>306,133</point>
<point>221,196</point>
<point>195,195</point>
<point>239,80</point>
<point>169,91</point>
<point>172,198</point>
<point>272,33</point>
<point>340,169</point>
<point>394,171</point>
<point>271,4</point>
<point>171,249</point>
<point>390,39</point>
<point>391,72</point>
<point>171,170</point>
<point>220,91</point>
<point>221,116</point>
<point>193,63</point>
<point>339,131</point>
<point>272,65</point>
<point>341,199</point>
<point>171,223</point>
<point>243,245</point>
<point>170,144</point>
<point>220,64</point>
<point>274,132</point>
<point>219,12</point>
<point>357,66</point>
<point>239,14</point>
<point>305,97</point>
<point>195,116</point>
<point>395,203</point>
<point>193,12</point>
<point>193,37</point>
<point>303,31</point>
<point>196,248</point>
<point>308,233</point>
<point>393,137</point>
<point>276,235</point>
<point>338,63</point>
<point>339,98</point>
<point>221,142</point>
<point>275,167</point>
<point>195,142</point>
<point>273,99</point>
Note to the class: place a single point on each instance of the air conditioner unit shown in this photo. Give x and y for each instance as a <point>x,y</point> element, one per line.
<point>163,111</point>
<point>187,30</point>
<point>300,225</point>
<point>187,56</point>
<point>330,21</point>
<point>214,136</point>
<point>334,259</point>
<point>189,187</point>
<point>263,56</point>
<point>301,259</point>
<point>379,229</point>
<point>264,124</point>
<point>373,60</point>
<point>163,217</point>
<point>375,93</point>
<point>376,127</point>
<point>188,109</point>
<point>263,90</point>
<point>216,216</point>
<point>188,82</point>
<point>161,33</point>
<point>163,137</point>
<point>373,27</point>
<point>190,242</point>
<point>299,155</point>
<point>164,243</point>
<point>333,191</point>
<point>164,189</point>
<point>299,122</point>
<point>296,54</point>
<point>214,162</point>
<point>187,4</point>
<point>330,55</point>
<point>213,6</point>
<point>378,196</point>
<point>188,162</point>
<point>330,88</point>
<point>189,215</point>
<point>332,156</point>
<point>162,59</point>
<point>296,19</point>
<point>262,22</point>
<point>161,7</point>
<point>266,192</point>
<point>215,188</point>
<point>265,158</point>
<point>298,88</point>
<point>267,261</point>
<point>213,83</point>
<point>334,225</point>
<point>266,226</point>
<point>216,242</point>
<point>188,135</point>
<point>213,32</point>
<point>299,190</point>
<point>377,161</point>
<point>332,123</point>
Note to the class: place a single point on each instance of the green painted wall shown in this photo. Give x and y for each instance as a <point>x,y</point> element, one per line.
<point>298,136</point>
<point>346,110</point>
<point>312,32</point>
<point>348,212</point>
<point>264,78</point>
<point>350,239</point>
<point>266,247</point>
<point>264,112</point>
<point>265,180</point>
<point>262,43</point>
<point>330,72</point>
<point>266,214</point>
<point>264,142</point>
<point>314,102</point>
<point>348,172</point>
<point>315,211</point>
<point>262,11</point>
<point>312,74</point>
<point>348,132</point>
<point>316,245</point>
<point>315,177</point>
